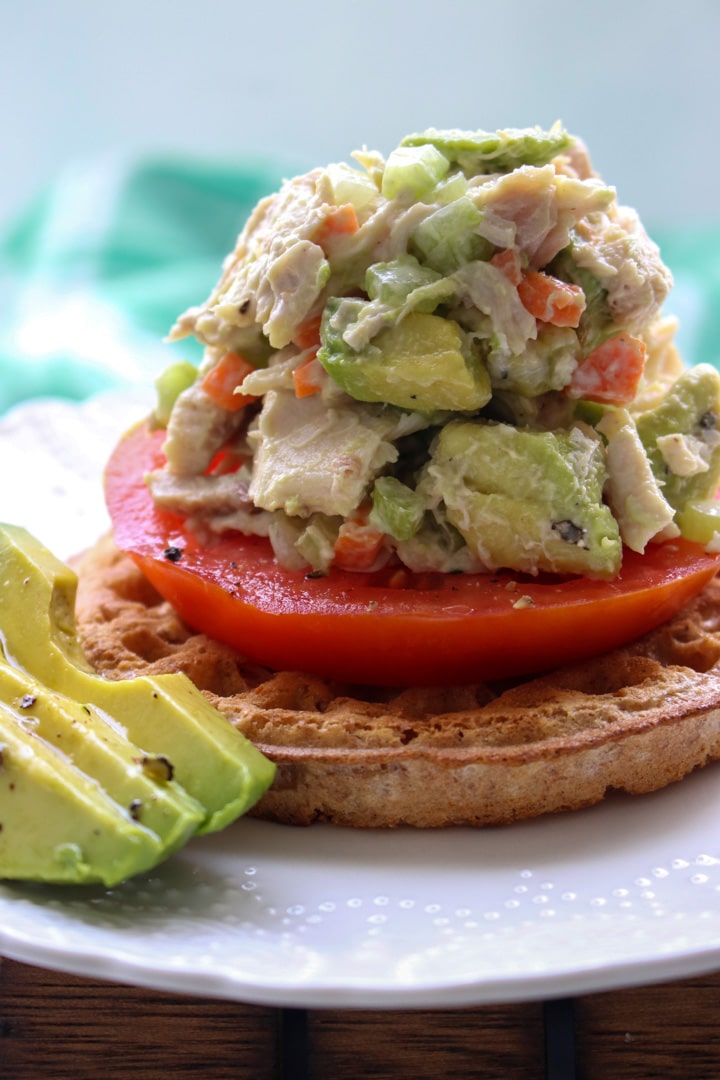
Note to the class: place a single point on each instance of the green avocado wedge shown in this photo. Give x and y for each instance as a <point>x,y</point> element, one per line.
<point>124,771</point>
<point>58,824</point>
<point>418,365</point>
<point>93,745</point>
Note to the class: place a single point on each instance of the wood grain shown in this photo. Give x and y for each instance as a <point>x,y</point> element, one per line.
<point>61,1027</point>
<point>670,1031</point>
<point>68,1028</point>
<point>487,1042</point>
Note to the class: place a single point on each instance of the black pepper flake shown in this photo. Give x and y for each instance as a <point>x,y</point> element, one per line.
<point>314,574</point>
<point>134,809</point>
<point>569,532</point>
<point>158,768</point>
<point>27,701</point>
<point>708,420</point>
<point>172,553</point>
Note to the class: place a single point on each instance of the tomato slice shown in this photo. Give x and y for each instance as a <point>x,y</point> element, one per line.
<point>387,628</point>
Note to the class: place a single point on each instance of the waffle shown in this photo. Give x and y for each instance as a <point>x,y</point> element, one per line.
<point>634,720</point>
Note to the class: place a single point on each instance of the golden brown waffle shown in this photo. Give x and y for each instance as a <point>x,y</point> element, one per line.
<point>634,720</point>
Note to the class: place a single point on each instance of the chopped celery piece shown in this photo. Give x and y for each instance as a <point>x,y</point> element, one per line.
<point>413,171</point>
<point>169,384</point>
<point>451,188</point>
<point>446,239</point>
<point>316,542</point>
<point>397,509</point>
<point>699,521</point>
<point>392,282</point>
<point>351,186</point>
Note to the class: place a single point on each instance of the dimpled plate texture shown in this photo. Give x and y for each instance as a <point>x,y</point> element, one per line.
<point>627,892</point>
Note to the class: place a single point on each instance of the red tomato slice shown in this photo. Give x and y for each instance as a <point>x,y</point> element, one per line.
<point>387,628</point>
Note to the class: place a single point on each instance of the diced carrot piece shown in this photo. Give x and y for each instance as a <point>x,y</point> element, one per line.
<point>307,334</point>
<point>551,300</point>
<point>221,382</point>
<point>305,376</point>
<point>508,262</point>
<point>610,374</point>
<point>341,221</point>
<point>358,545</point>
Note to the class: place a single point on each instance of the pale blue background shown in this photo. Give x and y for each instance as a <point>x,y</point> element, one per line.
<point>309,81</point>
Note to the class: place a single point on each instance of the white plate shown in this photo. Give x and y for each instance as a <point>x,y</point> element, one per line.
<point>627,892</point>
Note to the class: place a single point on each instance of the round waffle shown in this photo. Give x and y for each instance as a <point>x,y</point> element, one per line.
<point>634,720</point>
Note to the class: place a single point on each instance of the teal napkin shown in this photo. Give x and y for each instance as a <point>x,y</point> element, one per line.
<point>693,255</point>
<point>95,270</point>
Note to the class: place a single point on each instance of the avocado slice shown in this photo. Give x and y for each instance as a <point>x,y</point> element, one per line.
<point>419,364</point>
<point>56,823</point>
<point>165,716</point>
<point>85,736</point>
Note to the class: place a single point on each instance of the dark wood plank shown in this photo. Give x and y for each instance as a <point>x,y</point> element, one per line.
<point>484,1043</point>
<point>64,1027</point>
<point>671,1031</point>
<point>68,1028</point>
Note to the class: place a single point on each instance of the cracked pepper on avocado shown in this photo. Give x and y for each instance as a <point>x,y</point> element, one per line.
<point>454,359</point>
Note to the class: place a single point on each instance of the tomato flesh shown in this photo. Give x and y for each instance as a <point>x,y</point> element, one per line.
<point>387,628</point>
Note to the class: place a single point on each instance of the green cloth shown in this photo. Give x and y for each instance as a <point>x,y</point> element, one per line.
<point>693,255</point>
<point>95,271</point>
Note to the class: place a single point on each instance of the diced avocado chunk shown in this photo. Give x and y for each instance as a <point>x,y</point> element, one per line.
<point>483,152</point>
<point>446,240</point>
<point>418,364</point>
<point>164,716</point>
<point>412,171</point>
<point>526,500</point>
<point>681,437</point>
<point>547,363</point>
<point>396,508</point>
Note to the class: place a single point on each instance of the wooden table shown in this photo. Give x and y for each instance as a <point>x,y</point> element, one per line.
<point>55,1026</point>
